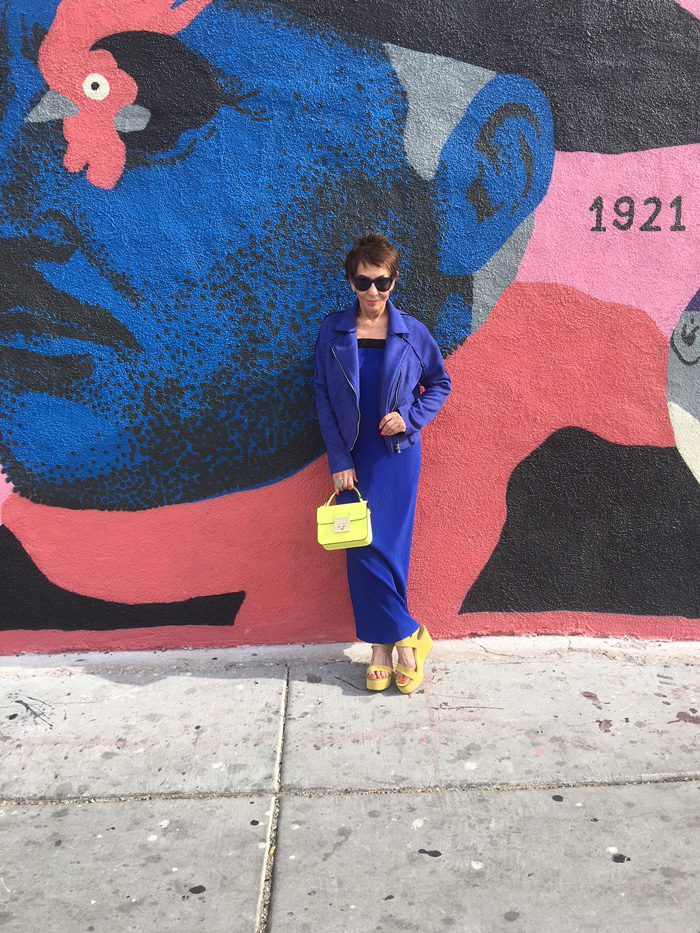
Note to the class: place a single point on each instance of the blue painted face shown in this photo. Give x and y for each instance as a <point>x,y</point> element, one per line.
<point>156,338</point>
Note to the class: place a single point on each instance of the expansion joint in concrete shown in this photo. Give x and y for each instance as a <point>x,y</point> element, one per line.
<point>293,793</point>
<point>266,880</point>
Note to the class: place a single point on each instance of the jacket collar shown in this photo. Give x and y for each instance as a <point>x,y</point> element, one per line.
<point>347,322</point>
<point>345,346</point>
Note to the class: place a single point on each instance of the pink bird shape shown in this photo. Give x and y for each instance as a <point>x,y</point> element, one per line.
<point>88,91</point>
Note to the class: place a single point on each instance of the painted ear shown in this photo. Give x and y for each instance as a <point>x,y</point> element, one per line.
<point>494,170</point>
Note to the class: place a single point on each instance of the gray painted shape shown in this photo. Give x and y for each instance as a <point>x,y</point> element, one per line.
<point>683,387</point>
<point>52,106</point>
<point>684,364</point>
<point>499,272</point>
<point>132,118</point>
<point>439,90</point>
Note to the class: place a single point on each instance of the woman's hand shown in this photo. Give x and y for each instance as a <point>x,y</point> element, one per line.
<point>392,423</point>
<point>345,480</point>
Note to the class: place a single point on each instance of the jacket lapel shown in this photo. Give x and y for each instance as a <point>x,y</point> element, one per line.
<point>395,350</point>
<point>345,345</point>
<point>345,348</point>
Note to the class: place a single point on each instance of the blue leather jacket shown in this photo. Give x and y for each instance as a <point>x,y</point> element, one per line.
<point>412,359</point>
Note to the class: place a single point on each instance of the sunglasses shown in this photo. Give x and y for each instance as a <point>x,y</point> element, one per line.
<point>362,283</point>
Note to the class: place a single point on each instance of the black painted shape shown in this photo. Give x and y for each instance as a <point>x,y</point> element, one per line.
<point>480,199</point>
<point>7,88</point>
<point>44,308</point>
<point>37,373</point>
<point>178,87</point>
<point>29,601</point>
<point>32,37</point>
<point>620,74</point>
<point>33,307</point>
<point>595,526</point>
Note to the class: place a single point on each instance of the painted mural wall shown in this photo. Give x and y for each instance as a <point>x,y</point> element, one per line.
<point>179,185</point>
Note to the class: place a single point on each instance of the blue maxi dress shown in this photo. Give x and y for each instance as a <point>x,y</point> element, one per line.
<point>378,574</point>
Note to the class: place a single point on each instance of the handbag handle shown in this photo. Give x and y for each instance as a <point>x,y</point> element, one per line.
<point>338,491</point>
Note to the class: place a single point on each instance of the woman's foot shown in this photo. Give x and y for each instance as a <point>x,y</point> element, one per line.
<point>380,655</point>
<point>407,657</point>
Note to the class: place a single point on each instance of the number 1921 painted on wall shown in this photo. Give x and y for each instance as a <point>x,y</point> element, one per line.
<point>624,208</point>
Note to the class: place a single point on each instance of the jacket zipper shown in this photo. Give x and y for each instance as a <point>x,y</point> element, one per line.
<point>355,393</point>
<point>397,448</point>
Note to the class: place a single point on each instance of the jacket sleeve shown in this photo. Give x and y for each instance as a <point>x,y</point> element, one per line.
<point>437,385</point>
<point>339,457</point>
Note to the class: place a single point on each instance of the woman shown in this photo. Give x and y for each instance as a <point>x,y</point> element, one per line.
<point>371,361</point>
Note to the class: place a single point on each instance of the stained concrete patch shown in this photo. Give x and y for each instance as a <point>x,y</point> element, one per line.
<point>485,861</point>
<point>113,867</point>
<point>510,721</point>
<point>89,733</point>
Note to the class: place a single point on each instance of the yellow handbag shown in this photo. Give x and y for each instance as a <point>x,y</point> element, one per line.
<point>344,526</point>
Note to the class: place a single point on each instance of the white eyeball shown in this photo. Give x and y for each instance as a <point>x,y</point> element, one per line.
<point>96,87</point>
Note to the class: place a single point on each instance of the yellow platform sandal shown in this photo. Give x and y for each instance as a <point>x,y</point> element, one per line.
<point>422,643</point>
<point>379,683</point>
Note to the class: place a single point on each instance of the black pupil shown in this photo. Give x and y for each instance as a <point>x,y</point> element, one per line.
<point>95,85</point>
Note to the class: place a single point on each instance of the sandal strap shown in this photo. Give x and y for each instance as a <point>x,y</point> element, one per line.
<point>410,642</point>
<point>407,671</point>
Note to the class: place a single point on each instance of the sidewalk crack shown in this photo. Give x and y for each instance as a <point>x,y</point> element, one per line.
<point>267,879</point>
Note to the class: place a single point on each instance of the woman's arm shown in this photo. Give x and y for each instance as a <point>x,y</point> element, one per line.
<point>339,457</point>
<point>437,384</point>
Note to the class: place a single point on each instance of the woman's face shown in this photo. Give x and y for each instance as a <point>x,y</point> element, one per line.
<point>372,301</point>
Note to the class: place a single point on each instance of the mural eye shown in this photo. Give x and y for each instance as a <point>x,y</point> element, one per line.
<point>96,87</point>
<point>688,334</point>
<point>685,340</point>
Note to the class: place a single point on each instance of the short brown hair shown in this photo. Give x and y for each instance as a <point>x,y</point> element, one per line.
<point>373,249</point>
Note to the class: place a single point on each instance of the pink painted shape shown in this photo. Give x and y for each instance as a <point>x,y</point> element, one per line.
<point>65,60</point>
<point>261,541</point>
<point>657,272</point>
<point>5,492</point>
<point>548,357</point>
<point>78,24</point>
<point>692,6</point>
<point>94,142</point>
<point>506,623</point>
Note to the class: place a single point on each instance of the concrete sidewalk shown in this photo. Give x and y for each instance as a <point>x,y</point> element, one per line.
<point>533,784</point>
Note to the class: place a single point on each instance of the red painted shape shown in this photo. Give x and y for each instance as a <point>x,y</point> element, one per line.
<point>65,60</point>
<point>262,541</point>
<point>548,357</point>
